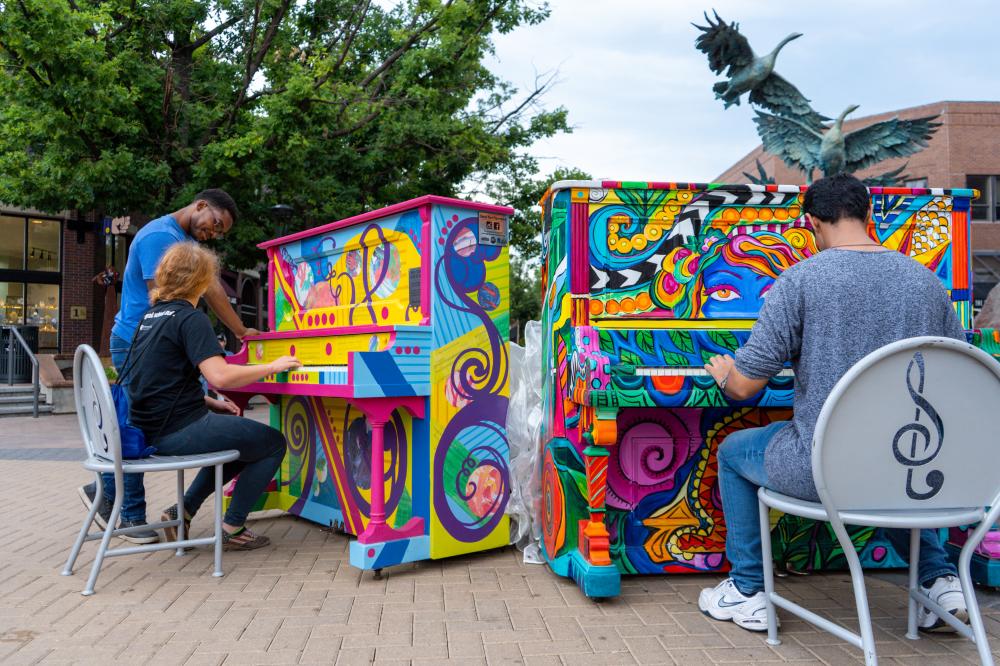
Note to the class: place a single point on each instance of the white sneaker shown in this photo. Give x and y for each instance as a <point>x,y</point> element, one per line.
<point>947,591</point>
<point>725,602</point>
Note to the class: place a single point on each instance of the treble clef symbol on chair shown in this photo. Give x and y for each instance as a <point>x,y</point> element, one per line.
<point>921,449</point>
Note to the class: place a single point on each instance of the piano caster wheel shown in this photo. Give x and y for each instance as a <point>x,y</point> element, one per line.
<point>377,574</point>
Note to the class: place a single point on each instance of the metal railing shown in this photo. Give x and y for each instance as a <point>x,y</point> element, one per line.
<point>13,334</point>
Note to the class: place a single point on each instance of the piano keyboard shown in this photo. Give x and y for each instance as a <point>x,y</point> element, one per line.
<point>312,374</point>
<point>678,372</point>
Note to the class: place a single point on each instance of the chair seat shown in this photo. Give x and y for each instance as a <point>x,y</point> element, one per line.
<point>156,463</point>
<point>905,519</point>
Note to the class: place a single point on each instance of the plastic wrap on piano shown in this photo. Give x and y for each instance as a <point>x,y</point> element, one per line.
<point>524,419</point>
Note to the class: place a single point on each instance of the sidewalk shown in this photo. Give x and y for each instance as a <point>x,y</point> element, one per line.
<point>301,602</point>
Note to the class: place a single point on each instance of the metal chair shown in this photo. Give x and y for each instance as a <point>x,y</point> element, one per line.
<point>99,428</point>
<point>906,439</point>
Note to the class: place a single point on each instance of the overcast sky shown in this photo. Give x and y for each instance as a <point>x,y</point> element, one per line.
<point>640,95</point>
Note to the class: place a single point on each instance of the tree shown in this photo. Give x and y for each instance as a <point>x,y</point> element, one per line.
<point>517,189</point>
<point>331,106</point>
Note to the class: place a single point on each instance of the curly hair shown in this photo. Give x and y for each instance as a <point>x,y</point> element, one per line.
<point>185,272</point>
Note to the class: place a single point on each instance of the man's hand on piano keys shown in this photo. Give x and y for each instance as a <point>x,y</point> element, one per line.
<point>719,367</point>
<point>284,363</point>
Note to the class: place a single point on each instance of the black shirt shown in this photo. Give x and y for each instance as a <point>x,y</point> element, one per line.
<point>172,339</point>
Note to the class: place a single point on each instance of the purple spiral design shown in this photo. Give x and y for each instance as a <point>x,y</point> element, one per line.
<point>297,424</point>
<point>479,375</point>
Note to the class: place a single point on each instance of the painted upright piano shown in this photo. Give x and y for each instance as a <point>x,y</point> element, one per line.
<point>396,421</point>
<point>642,283</point>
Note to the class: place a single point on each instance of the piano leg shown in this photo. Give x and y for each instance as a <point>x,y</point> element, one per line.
<point>591,565</point>
<point>381,545</point>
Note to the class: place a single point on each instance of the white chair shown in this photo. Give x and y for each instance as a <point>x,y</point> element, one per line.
<point>99,428</point>
<point>906,439</point>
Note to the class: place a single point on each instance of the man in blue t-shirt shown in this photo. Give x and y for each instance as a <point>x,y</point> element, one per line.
<point>211,215</point>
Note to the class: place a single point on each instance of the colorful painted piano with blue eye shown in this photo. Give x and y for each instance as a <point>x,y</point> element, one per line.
<point>642,283</point>
<point>396,423</point>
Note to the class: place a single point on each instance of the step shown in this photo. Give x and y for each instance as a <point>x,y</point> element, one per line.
<point>17,399</point>
<point>18,389</point>
<point>24,410</point>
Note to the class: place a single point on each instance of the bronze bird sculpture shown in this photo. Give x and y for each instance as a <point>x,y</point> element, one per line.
<point>833,151</point>
<point>729,51</point>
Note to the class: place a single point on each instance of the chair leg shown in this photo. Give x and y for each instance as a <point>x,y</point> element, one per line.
<point>914,586</point>
<point>971,604</point>
<point>218,522</point>
<point>181,535</point>
<point>768,561</point>
<point>116,509</point>
<point>95,506</point>
<point>860,596</point>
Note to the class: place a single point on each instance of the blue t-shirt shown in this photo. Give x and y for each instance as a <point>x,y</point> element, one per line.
<point>148,247</point>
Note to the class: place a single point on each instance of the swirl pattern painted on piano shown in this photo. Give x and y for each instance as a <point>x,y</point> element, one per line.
<point>349,277</point>
<point>326,472</point>
<point>471,484</point>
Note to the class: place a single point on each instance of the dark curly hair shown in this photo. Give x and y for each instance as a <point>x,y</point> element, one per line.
<point>220,199</point>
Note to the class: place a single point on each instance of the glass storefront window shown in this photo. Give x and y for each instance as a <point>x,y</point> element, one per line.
<point>11,303</point>
<point>11,242</point>
<point>43,245</point>
<point>42,310</point>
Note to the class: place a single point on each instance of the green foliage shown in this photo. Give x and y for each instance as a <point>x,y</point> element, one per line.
<point>516,188</point>
<point>331,106</point>
<point>110,373</point>
<point>525,296</point>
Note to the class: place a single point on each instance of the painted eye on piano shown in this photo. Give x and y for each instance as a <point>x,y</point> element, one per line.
<point>722,293</point>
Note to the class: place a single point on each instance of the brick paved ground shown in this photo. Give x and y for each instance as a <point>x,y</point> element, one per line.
<point>301,602</point>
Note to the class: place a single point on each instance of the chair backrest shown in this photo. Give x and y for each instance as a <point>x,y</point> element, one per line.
<point>913,425</point>
<point>95,408</point>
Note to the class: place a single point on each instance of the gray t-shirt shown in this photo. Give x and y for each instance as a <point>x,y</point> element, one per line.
<point>824,314</point>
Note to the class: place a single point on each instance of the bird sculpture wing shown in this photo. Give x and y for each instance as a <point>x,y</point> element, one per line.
<point>887,139</point>
<point>888,179</point>
<point>778,95</point>
<point>796,144</point>
<point>724,46</point>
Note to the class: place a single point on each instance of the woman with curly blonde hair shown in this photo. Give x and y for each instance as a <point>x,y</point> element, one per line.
<point>173,346</point>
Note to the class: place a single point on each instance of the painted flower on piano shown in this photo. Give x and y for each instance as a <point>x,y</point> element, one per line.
<point>727,276</point>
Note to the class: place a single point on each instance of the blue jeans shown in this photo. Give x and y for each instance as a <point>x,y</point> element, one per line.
<point>742,472</point>
<point>261,448</point>
<point>134,501</point>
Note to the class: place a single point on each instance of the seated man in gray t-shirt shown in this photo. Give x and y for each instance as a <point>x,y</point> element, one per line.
<point>823,315</point>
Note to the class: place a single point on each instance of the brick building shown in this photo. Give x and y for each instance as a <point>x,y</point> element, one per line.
<point>48,263</point>
<point>965,152</point>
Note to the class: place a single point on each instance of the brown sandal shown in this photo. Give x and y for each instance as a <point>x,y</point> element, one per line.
<point>170,532</point>
<point>244,540</point>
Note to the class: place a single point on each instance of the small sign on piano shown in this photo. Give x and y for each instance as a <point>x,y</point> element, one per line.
<point>492,228</point>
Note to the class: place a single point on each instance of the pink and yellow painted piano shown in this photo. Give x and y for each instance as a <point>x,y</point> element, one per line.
<point>396,422</point>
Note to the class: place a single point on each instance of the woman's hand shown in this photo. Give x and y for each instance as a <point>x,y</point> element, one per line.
<point>222,406</point>
<point>284,363</point>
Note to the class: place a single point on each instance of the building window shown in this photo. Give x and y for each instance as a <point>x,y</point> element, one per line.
<point>987,207</point>
<point>12,296</point>
<point>43,245</point>
<point>30,278</point>
<point>12,242</point>
<point>41,309</point>
<point>918,183</point>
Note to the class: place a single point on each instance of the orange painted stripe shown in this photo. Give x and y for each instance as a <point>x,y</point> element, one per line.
<point>960,249</point>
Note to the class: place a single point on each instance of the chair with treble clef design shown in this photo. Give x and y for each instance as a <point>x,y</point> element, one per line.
<point>906,439</point>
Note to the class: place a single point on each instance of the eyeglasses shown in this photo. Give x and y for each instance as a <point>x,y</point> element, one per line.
<point>218,226</point>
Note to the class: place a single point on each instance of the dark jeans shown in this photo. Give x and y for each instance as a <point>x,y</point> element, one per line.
<point>261,450</point>
<point>134,501</point>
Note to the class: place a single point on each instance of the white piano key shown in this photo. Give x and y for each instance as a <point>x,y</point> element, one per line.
<point>688,372</point>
